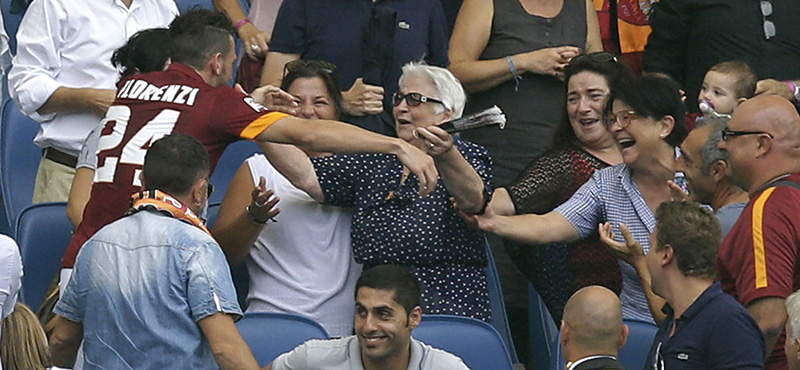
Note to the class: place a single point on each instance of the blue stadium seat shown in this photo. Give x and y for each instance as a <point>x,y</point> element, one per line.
<point>640,338</point>
<point>499,317</point>
<point>231,159</point>
<point>19,159</point>
<point>43,233</point>
<point>184,5</point>
<point>632,355</point>
<point>241,279</point>
<point>476,342</point>
<point>541,328</point>
<point>11,21</point>
<point>270,334</point>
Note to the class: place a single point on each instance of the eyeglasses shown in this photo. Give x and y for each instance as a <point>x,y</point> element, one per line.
<point>727,134</point>
<point>766,11</point>
<point>597,57</point>
<point>413,99</point>
<point>210,188</point>
<point>302,65</point>
<point>624,118</point>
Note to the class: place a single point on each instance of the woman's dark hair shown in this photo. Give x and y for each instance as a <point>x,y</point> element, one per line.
<point>146,51</point>
<point>655,96</point>
<point>314,68</point>
<point>602,63</point>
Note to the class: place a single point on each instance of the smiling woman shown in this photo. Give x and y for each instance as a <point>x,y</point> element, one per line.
<point>582,146</point>
<point>626,193</point>
<point>392,223</point>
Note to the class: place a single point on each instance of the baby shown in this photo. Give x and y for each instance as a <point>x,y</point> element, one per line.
<point>725,86</point>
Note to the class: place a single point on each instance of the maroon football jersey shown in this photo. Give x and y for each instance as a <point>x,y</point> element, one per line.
<point>148,107</point>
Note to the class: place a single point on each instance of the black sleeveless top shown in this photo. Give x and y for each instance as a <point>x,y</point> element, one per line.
<point>535,110</point>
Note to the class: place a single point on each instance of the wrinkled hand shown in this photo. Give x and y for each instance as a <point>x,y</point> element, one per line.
<point>363,99</point>
<point>774,87</point>
<point>485,222</point>
<point>252,36</point>
<point>263,205</point>
<point>630,251</point>
<point>275,99</point>
<point>420,164</point>
<point>436,140</point>
<point>549,61</point>
<point>677,192</point>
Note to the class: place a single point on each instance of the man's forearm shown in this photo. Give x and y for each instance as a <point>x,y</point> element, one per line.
<point>770,315</point>
<point>67,99</point>
<point>64,342</point>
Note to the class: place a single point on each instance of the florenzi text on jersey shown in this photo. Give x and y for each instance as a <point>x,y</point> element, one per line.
<point>142,90</point>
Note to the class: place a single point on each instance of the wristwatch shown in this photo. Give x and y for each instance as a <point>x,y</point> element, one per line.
<point>795,90</point>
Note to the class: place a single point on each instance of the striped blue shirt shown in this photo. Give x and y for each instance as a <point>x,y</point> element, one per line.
<point>611,196</point>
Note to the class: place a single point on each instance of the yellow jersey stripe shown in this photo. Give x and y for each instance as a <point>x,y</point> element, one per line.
<point>759,255</point>
<point>262,123</point>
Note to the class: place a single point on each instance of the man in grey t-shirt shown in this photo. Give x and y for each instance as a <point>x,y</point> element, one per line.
<point>387,310</point>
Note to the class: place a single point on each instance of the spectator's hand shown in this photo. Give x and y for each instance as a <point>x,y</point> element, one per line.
<point>677,192</point>
<point>275,99</point>
<point>98,100</point>
<point>630,251</point>
<point>485,222</point>
<point>549,61</point>
<point>363,99</point>
<point>263,206</point>
<point>421,165</point>
<point>256,42</point>
<point>774,87</point>
<point>436,140</point>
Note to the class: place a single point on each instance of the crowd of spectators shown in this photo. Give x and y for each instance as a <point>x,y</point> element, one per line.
<point>592,191</point>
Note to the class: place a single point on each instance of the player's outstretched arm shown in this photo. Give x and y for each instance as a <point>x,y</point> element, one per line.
<point>342,138</point>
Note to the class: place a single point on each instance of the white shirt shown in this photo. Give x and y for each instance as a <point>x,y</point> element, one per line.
<point>303,264</point>
<point>10,277</point>
<point>345,354</point>
<point>572,365</point>
<point>69,43</point>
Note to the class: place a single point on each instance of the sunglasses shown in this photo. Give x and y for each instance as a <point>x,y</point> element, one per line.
<point>766,11</point>
<point>623,118</point>
<point>413,99</point>
<point>302,65</point>
<point>727,134</point>
<point>210,188</point>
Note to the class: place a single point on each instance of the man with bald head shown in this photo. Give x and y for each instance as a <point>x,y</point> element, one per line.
<point>701,320</point>
<point>592,330</point>
<point>757,262</point>
<point>706,168</point>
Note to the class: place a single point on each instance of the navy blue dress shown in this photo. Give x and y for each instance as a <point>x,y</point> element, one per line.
<point>392,224</point>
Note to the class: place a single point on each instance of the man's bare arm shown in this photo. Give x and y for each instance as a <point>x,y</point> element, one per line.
<point>67,99</point>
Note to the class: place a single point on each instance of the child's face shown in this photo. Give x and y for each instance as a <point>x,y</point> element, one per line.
<point>719,89</point>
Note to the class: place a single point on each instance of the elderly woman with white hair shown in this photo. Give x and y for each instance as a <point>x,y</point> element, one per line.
<point>391,223</point>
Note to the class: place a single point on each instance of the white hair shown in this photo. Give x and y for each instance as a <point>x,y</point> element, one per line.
<point>793,310</point>
<point>448,88</point>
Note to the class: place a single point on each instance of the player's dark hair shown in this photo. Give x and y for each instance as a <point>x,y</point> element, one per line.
<point>174,163</point>
<point>146,51</point>
<point>198,34</point>
<point>396,279</point>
